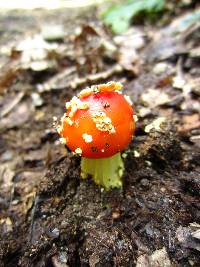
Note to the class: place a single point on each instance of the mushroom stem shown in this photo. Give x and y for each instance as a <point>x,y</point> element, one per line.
<point>106,172</point>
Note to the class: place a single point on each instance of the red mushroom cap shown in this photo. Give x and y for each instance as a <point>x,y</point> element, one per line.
<point>98,125</point>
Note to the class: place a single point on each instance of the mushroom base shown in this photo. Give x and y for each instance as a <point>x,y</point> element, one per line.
<point>106,172</point>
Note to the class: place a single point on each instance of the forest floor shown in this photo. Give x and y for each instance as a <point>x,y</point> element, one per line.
<point>48,215</point>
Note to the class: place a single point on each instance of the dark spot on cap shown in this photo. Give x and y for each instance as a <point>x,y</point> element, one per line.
<point>94,149</point>
<point>106,105</point>
<point>107,145</point>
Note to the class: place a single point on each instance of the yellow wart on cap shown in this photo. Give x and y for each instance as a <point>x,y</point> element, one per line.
<point>78,151</point>
<point>103,123</point>
<point>63,140</point>
<point>87,138</point>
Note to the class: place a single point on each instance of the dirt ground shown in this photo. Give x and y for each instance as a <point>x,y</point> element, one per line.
<point>49,217</point>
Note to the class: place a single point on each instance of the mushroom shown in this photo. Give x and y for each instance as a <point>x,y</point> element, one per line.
<point>98,125</point>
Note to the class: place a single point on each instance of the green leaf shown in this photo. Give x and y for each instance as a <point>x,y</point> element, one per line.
<point>119,16</point>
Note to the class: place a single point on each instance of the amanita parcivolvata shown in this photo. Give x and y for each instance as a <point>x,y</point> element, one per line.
<point>98,125</point>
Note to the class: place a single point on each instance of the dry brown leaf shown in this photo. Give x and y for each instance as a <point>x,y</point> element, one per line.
<point>189,122</point>
<point>158,259</point>
<point>154,98</point>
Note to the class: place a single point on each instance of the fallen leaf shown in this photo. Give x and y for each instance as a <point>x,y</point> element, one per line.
<point>9,103</point>
<point>194,85</point>
<point>161,67</point>
<point>19,115</point>
<point>34,43</point>
<point>189,122</point>
<point>53,32</point>
<point>129,44</point>
<point>196,234</point>
<point>143,261</point>
<point>6,176</point>
<point>185,238</point>
<point>7,224</point>
<point>190,105</point>
<point>196,230</point>
<point>156,124</point>
<point>178,82</point>
<point>154,98</point>
<point>159,258</point>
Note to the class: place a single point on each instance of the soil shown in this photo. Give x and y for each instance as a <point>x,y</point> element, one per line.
<point>49,216</point>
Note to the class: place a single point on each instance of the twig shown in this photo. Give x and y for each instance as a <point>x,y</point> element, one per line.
<point>97,76</point>
<point>12,104</point>
<point>51,84</point>
<point>36,200</point>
